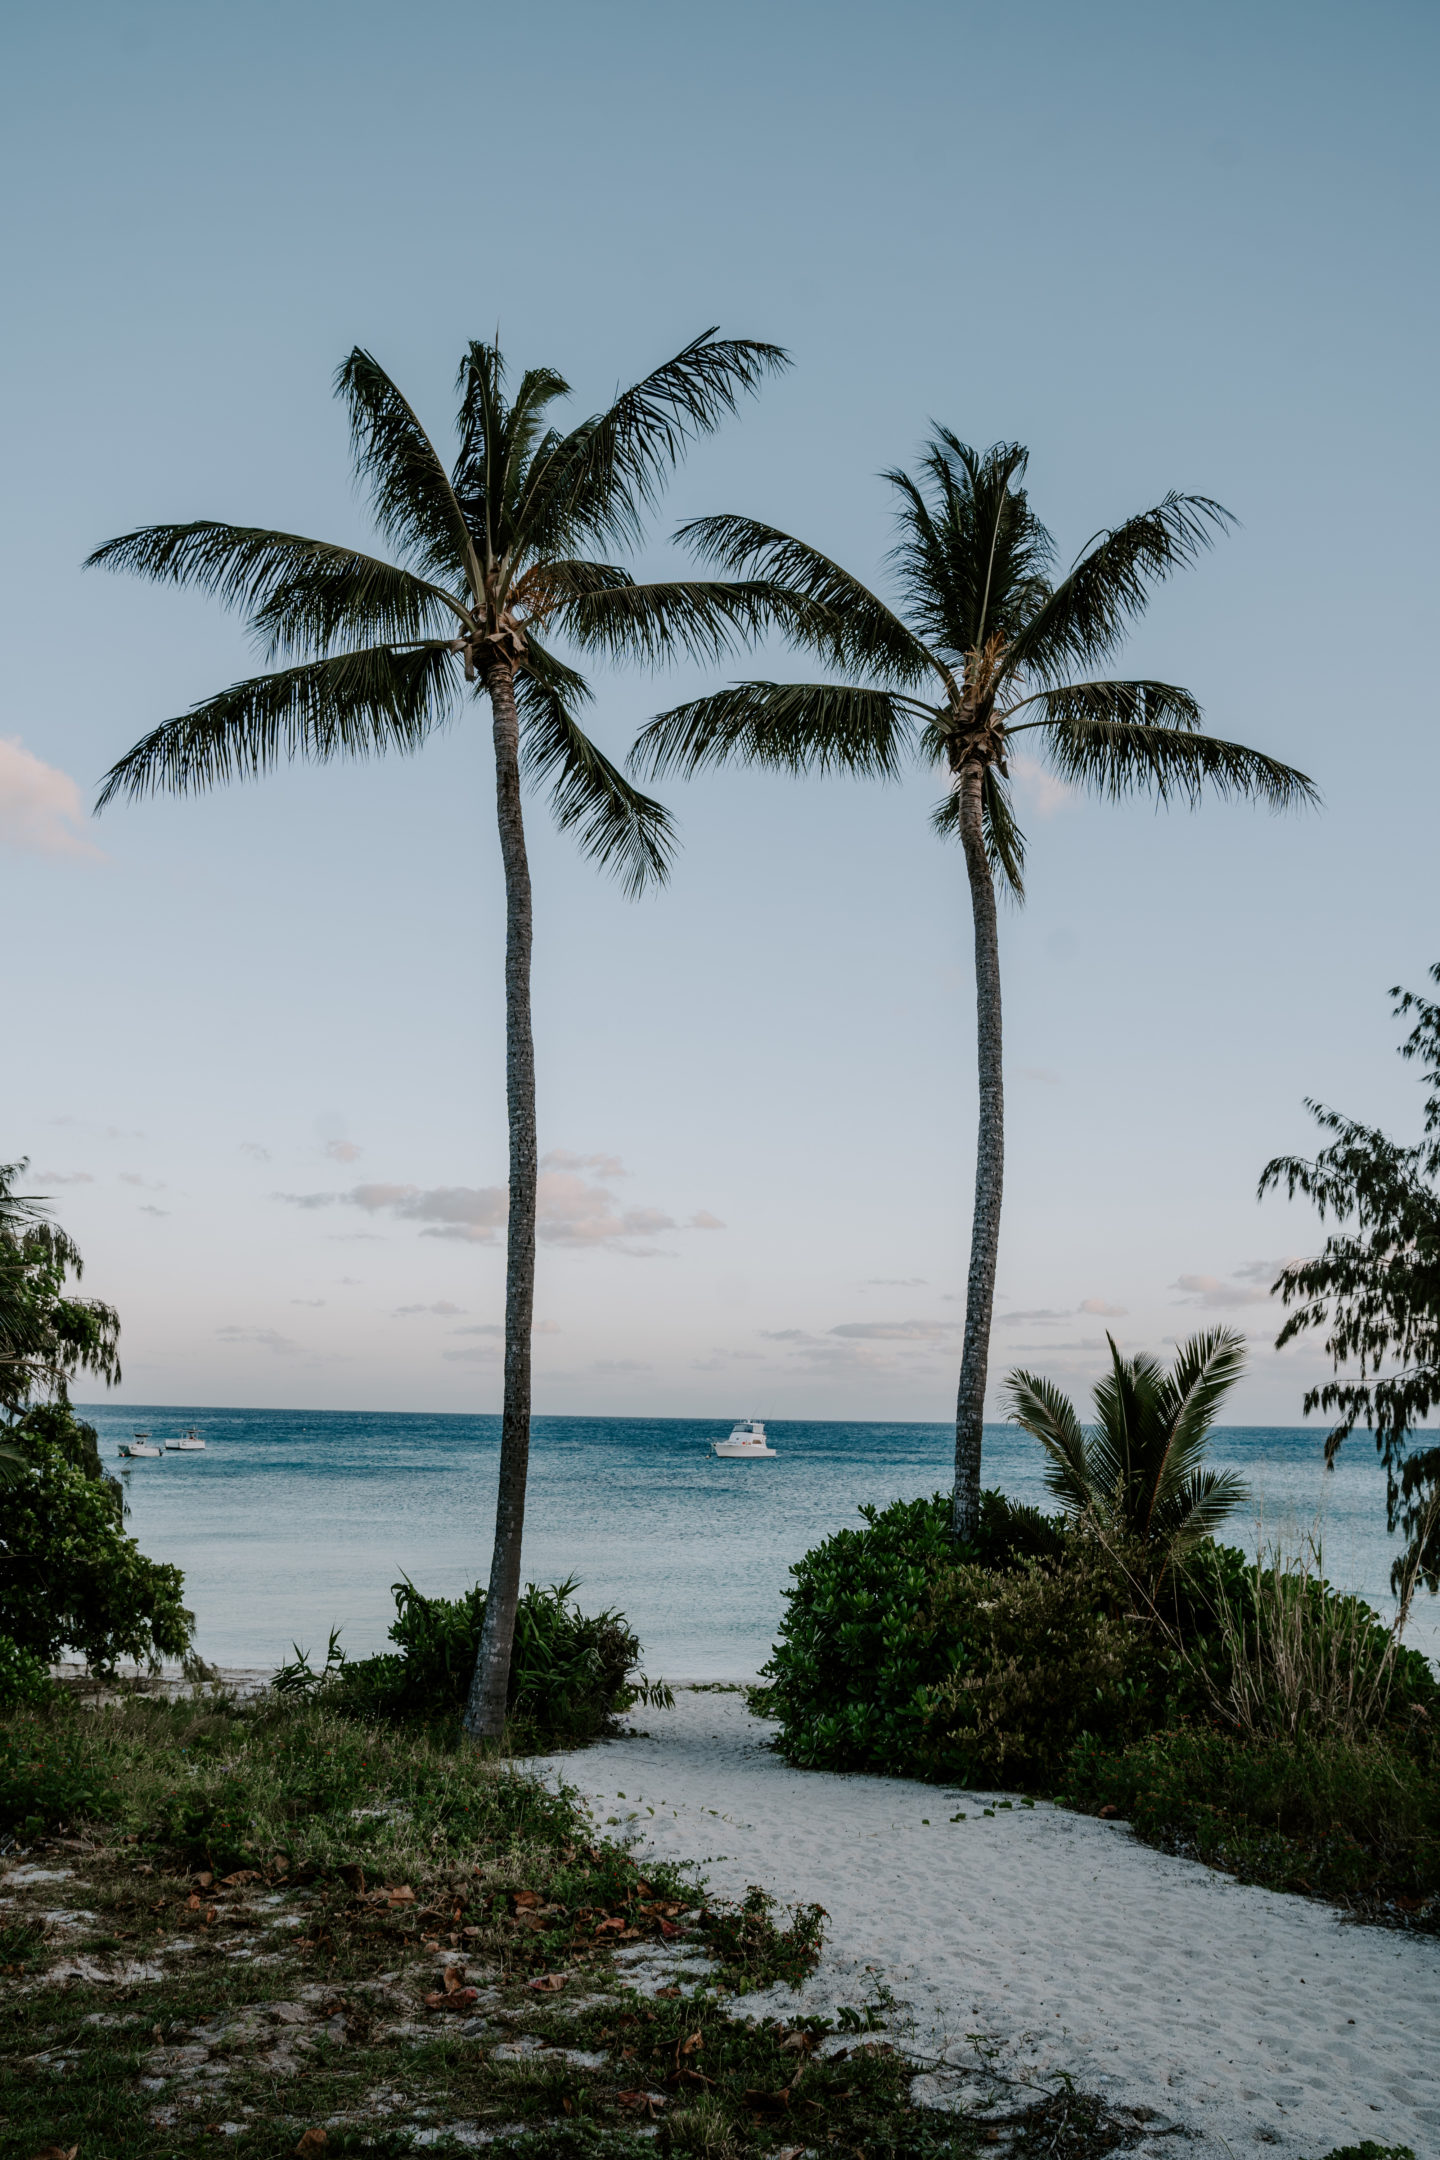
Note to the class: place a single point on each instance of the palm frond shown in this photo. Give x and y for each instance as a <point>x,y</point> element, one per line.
<point>353,704</point>
<point>1201,1502</point>
<point>410,490</point>
<point>791,727</point>
<point>972,556</point>
<point>604,610</point>
<point>838,616</point>
<point>1139,704</point>
<point>299,594</point>
<point>13,1464</point>
<point>598,481</point>
<point>1118,757</point>
<point>1038,1405</point>
<point>624,831</point>
<point>1004,841</point>
<point>1086,615</point>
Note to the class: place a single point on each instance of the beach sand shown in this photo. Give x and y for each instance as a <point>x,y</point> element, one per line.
<point>1037,1944</point>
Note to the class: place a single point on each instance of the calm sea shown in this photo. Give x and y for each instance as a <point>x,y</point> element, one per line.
<point>294,1522</point>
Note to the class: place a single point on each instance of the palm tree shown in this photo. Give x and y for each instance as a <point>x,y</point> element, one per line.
<point>1137,1471</point>
<point>981,649</point>
<point>484,558</point>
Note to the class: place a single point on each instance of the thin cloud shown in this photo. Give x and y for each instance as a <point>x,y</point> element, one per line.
<point>602,1166</point>
<point>1101,1311</point>
<point>40,808</point>
<point>893,1282</point>
<point>147,1209</point>
<point>488,1356</point>
<point>317,1301</point>
<point>147,1184</point>
<point>343,1151</point>
<point>253,1149</point>
<point>1038,789</point>
<point>1045,1074</point>
<point>570,1209</point>
<point>926,1331</point>
<point>265,1338</point>
<point>1050,1315</point>
<point>63,1177</point>
<point>620,1365</point>
<point>443,1307</point>
<point>1213,1295</point>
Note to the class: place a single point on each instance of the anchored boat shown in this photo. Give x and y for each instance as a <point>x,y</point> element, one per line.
<point>139,1446</point>
<point>747,1442</point>
<point>189,1443</point>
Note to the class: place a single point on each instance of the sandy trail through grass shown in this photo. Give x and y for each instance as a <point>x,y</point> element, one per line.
<point>1050,1944</point>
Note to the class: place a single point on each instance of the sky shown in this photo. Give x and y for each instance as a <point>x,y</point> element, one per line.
<point>255,1039</point>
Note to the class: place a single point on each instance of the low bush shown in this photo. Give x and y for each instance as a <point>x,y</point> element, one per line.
<point>571,1673</point>
<point>1357,1821</point>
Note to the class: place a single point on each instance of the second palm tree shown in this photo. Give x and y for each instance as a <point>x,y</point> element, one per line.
<point>982,648</point>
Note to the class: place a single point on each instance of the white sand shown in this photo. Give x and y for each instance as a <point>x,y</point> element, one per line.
<point>1245,2019</point>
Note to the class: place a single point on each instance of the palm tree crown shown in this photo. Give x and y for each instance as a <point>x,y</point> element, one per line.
<point>1138,1470</point>
<point>983,646</point>
<point>486,561</point>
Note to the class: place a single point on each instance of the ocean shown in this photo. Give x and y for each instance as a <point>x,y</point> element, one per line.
<point>294,1522</point>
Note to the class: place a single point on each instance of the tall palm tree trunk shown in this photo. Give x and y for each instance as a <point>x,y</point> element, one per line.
<point>989,1162</point>
<point>485,1710</point>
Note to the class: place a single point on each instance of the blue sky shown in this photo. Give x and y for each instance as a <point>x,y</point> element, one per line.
<point>1166,247</point>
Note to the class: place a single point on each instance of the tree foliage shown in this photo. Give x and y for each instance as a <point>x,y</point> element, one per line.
<point>1138,1471</point>
<point>1375,1289</point>
<point>47,1335</point>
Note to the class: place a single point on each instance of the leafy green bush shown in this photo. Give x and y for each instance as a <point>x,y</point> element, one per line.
<point>570,1673</point>
<point>71,1579</point>
<point>900,1651</point>
<point>24,1680</point>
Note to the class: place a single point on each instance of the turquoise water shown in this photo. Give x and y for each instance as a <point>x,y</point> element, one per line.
<point>294,1522</point>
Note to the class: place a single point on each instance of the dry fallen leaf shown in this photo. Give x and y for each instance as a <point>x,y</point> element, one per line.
<point>57,2152</point>
<point>193,1902</point>
<point>203,1882</point>
<point>524,1899</point>
<point>402,1894</point>
<point>549,1983</point>
<point>311,2141</point>
<point>460,1999</point>
<point>696,2040</point>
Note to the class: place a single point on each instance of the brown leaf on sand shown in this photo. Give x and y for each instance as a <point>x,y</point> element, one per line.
<point>454,1978</point>
<point>203,1882</point>
<point>400,1894</point>
<point>549,1983</point>
<point>524,1899</point>
<point>311,2141</point>
<point>461,2000</point>
<point>57,2152</point>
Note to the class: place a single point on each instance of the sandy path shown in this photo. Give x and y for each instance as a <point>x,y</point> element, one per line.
<point>1252,2020</point>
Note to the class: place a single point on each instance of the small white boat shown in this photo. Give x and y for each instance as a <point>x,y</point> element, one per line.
<point>189,1443</point>
<point>139,1446</point>
<point>747,1442</point>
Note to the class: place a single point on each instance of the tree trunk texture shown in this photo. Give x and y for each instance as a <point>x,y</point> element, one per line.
<point>485,1710</point>
<point>989,1165</point>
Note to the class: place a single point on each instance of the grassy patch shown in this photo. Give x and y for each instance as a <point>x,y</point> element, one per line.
<point>288,1926</point>
<point>1353,1821</point>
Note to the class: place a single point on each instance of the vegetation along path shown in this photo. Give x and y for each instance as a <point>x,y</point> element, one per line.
<point>1034,1944</point>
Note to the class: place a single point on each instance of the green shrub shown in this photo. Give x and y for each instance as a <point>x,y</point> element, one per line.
<point>1354,1820</point>
<point>24,1680</point>
<point>900,1651</point>
<point>570,1674</point>
<point>71,1579</point>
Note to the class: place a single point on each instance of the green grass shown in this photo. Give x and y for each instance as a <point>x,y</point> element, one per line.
<point>1356,1822</point>
<point>363,1862</point>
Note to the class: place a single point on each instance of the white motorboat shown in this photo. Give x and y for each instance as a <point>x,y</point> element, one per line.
<point>189,1443</point>
<point>139,1446</point>
<point>747,1442</point>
